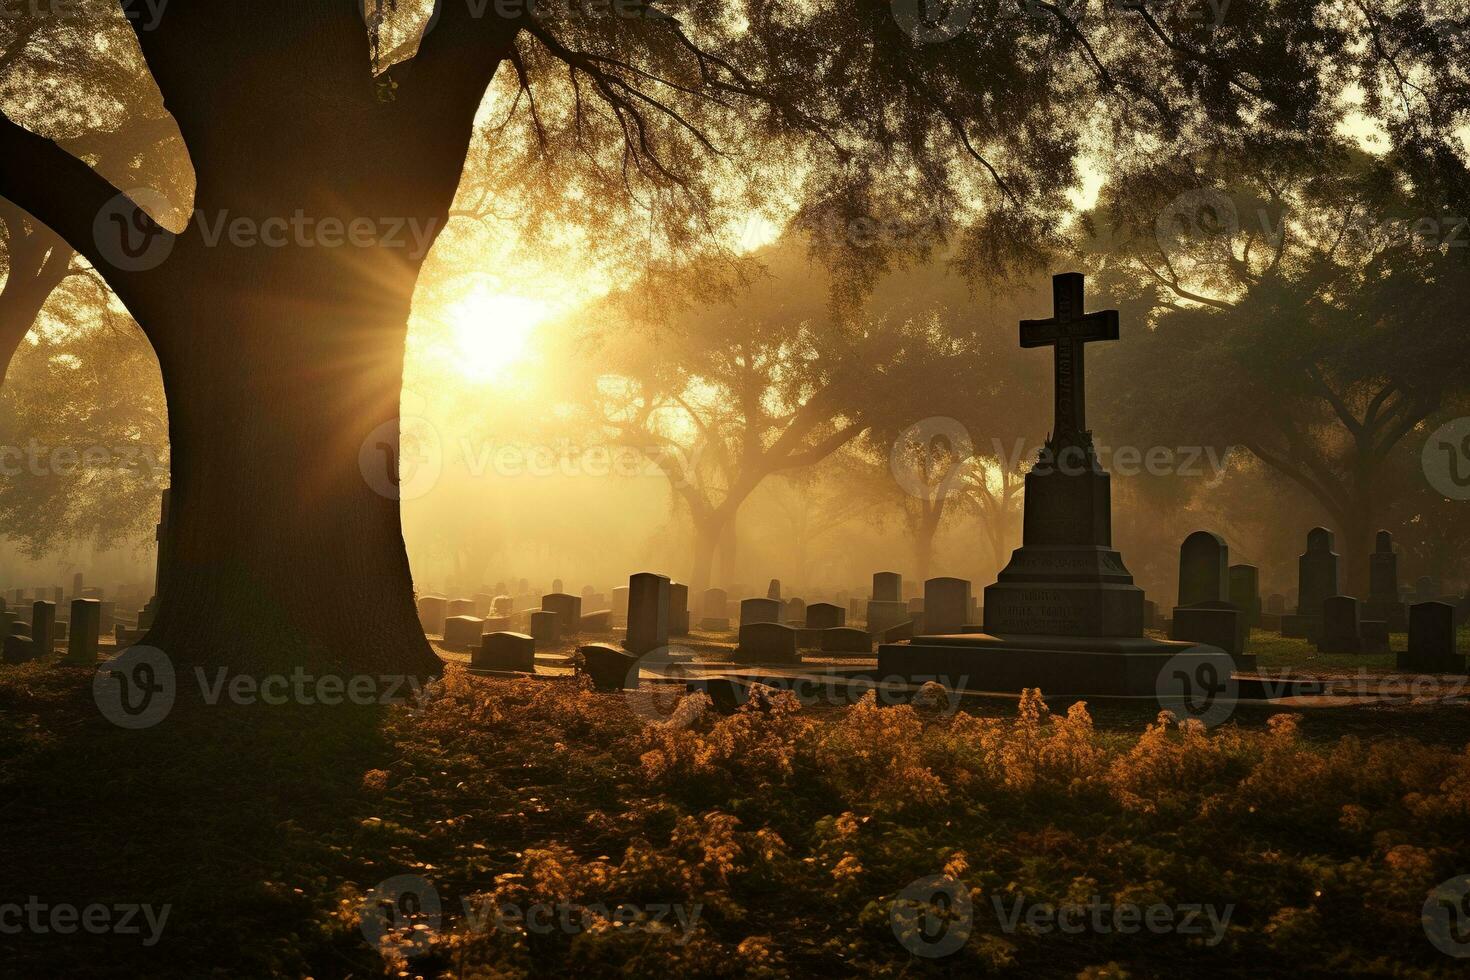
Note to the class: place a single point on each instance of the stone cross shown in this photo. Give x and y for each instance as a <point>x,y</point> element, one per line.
<point>1068,330</point>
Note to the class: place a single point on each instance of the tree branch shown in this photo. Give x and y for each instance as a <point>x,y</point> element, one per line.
<point>68,197</point>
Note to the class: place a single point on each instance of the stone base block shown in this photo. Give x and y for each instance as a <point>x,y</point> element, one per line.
<point>1058,665</point>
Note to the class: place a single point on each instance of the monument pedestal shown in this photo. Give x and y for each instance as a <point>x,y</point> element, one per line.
<point>1058,665</point>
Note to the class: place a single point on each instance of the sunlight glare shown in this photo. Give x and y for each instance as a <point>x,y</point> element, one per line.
<point>490,332</point>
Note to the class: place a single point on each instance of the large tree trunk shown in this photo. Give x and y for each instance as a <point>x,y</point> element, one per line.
<point>706,542</point>
<point>283,379</point>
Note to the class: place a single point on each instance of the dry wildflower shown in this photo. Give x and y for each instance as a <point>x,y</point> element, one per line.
<point>375,780</point>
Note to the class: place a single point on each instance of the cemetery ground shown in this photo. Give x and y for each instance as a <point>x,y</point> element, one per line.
<point>783,839</point>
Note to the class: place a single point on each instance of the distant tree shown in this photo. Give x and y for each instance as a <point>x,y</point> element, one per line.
<point>1307,313</point>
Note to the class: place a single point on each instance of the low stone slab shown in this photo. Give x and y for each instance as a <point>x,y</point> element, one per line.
<point>715,624</point>
<point>611,669</point>
<point>1214,627</point>
<point>505,651</point>
<point>597,622</point>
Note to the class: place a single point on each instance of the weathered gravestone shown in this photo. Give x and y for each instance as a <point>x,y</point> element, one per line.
<point>1374,633</point>
<point>1204,561</point>
<point>648,613</point>
<point>43,628</point>
<point>773,591</point>
<point>794,611</point>
<point>545,628</point>
<point>505,651</point>
<point>1317,582</point>
<point>556,586</point>
<point>825,615</point>
<point>598,621</point>
<point>484,604</point>
<point>609,668</point>
<point>1245,593</point>
<point>459,607</point>
<point>502,605</point>
<point>946,605</point>
<point>568,609</point>
<point>463,632</point>
<point>1384,601</point>
<point>1432,647</point>
<point>1341,630</point>
<point>759,611</point>
<point>678,609</point>
<point>1205,613</point>
<point>715,611</point>
<point>887,607</point>
<point>620,605</point>
<point>82,643</point>
<point>432,610</point>
<point>1064,615</point>
<point>767,643</point>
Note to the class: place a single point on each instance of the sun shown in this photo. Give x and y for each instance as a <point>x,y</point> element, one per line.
<point>490,332</point>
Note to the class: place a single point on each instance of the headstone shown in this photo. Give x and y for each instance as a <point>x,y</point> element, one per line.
<point>1245,592</point>
<point>82,645</point>
<point>432,610</point>
<point>17,649</point>
<point>648,613</point>
<point>946,605</point>
<point>825,615</point>
<point>502,605</point>
<point>77,583</point>
<point>568,609</point>
<point>43,628</point>
<point>460,607</point>
<point>149,612</point>
<point>620,605</point>
<point>846,639</point>
<point>1341,630</point>
<point>887,607</point>
<point>795,611</point>
<point>1213,624</point>
<point>1374,633</point>
<point>773,591</point>
<point>484,604</point>
<point>1276,604</point>
<point>1426,589</point>
<point>505,651</point>
<point>1432,647</point>
<point>556,585</point>
<point>1384,601</point>
<point>609,668</point>
<point>714,611</point>
<point>767,643</point>
<point>678,609</point>
<point>58,595</point>
<point>463,632</point>
<point>1150,614</point>
<point>545,629</point>
<point>887,587</point>
<point>1204,559</point>
<point>1317,582</point>
<point>759,611</point>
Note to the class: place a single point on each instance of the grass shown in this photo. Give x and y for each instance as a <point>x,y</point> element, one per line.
<point>791,833</point>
